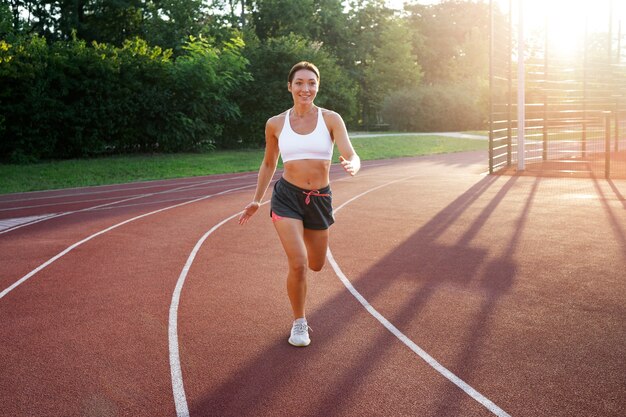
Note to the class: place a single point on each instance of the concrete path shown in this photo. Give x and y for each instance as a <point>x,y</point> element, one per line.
<point>461,135</point>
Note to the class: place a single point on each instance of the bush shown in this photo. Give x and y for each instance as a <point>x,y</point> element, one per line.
<point>67,99</point>
<point>437,108</point>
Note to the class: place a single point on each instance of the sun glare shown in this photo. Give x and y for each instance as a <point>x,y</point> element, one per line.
<point>565,21</point>
<point>565,26</point>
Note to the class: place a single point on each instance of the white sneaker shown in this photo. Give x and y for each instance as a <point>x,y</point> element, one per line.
<point>300,334</point>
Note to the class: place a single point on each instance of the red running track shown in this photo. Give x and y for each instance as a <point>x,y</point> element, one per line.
<point>506,295</point>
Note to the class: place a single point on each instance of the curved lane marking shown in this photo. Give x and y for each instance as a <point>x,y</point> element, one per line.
<point>178,388</point>
<point>90,190</point>
<point>107,205</point>
<point>111,205</point>
<point>199,185</point>
<point>19,221</point>
<point>487,403</point>
<point>180,399</point>
<point>108,229</point>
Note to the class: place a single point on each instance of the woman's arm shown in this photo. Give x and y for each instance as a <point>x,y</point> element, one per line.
<point>266,171</point>
<point>347,156</point>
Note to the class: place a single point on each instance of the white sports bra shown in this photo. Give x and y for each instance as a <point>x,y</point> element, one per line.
<point>315,145</point>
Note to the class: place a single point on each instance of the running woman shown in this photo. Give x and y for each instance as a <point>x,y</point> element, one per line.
<point>301,206</point>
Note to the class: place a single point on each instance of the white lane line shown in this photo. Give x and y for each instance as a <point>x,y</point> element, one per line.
<point>146,203</point>
<point>107,205</point>
<point>79,201</point>
<point>487,403</point>
<point>108,229</point>
<point>63,203</point>
<point>178,389</point>
<point>114,188</point>
<point>18,221</point>
<point>490,405</point>
<point>178,189</point>
<point>180,399</point>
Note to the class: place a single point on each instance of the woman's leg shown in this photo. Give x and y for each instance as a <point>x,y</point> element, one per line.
<point>316,242</point>
<point>291,234</point>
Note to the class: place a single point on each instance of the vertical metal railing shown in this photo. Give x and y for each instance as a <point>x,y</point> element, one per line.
<point>544,130</point>
<point>585,90</point>
<point>607,144</point>
<point>616,147</point>
<point>491,50</point>
<point>509,130</point>
<point>501,119</point>
<point>565,99</point>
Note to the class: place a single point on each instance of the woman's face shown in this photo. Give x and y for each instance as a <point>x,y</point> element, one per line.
<point>303,87</point>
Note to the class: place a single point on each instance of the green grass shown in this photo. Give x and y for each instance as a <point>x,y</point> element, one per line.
<point>123,169</point>
<point>385,147</point>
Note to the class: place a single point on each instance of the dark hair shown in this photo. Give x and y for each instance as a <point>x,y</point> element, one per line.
<point>304,65</point>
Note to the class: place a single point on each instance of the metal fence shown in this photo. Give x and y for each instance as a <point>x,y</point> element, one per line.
<point>574,106</point>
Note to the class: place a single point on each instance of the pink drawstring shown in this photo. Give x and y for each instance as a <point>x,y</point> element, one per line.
<point>314,193</point>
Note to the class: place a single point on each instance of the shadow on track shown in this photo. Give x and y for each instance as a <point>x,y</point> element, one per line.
<point>616,225</point>
<point>252,389</point>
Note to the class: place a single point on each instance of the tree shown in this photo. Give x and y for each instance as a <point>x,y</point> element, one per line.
<point>367,21</point>
<point>166,23</point>
<point>450,39</point>
<point>391,68</point>
<point>6,20</point>
<point>323,21</point>
<point>169,23</point>
<point>275,18</point>
<point>107,21</point>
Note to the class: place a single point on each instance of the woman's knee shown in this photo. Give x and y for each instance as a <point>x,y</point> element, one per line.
<point>298,267</point>
<point>317,266</point>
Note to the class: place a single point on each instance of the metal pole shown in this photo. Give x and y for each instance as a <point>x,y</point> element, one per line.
<point>509,133</point>
<point>544,154</point>
<point>610,40</point>
<point>491,48</point>
<point>607,144</point>
<point>619,42</point>
<point>585,53</point>
<point>616,146</point>
<point>521,113</point>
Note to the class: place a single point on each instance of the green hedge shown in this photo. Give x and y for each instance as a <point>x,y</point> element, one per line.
<point>68,99</point>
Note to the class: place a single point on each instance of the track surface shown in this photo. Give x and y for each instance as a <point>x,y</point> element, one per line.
<point>515,285</point>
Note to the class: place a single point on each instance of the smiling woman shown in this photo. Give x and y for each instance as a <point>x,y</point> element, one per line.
<point>301,208</point>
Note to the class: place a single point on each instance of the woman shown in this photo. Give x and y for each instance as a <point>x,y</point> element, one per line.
<point>301,202</point>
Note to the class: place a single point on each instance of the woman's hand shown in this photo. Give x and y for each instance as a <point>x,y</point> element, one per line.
<point>351,167</point>
<point>248,212</point>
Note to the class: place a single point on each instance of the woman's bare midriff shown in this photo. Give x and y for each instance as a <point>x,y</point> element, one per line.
<point>310,174</point>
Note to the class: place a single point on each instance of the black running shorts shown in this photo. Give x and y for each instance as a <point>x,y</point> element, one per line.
<point>313,207</point>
